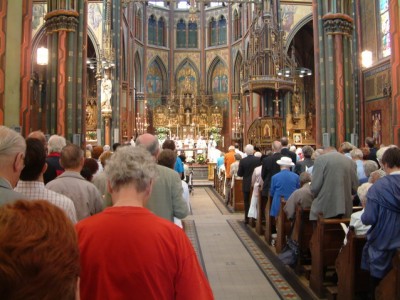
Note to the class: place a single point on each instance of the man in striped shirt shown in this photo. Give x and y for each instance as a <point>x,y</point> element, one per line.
<point>31,182</point>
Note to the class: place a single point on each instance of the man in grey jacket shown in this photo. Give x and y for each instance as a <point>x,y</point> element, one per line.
<point>12,154</point>
<point>166,199</point>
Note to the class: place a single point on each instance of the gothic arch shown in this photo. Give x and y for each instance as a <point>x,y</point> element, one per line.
<point>157,62</point>
<point>236,72</point>
<point>296,29</point>
<point>214,64</point>
<point>138,73</point>
<point>192,65</point>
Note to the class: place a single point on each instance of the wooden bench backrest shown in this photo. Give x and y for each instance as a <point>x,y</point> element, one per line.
<point>268,221</point>
<point>326,241</point>
<point>283,226</point>
<point>237,201</point>
<point>351,278</point>
<point>389,287</point>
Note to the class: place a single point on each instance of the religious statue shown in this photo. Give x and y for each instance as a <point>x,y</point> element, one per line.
<point>106,88</point>
<point>376,127</point>
<point>296,103</point>
<point>187,116</point>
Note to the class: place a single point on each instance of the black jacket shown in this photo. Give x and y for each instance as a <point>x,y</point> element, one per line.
<point>246,169</point>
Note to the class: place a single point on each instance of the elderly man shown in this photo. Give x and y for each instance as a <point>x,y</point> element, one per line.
<point>55,145</point>
<point>31,179</point>
<point>166,199</point>
<point>12,153</point>
<point>246,169</point>
<point>136,254</point>
<point>84,194</point>
<point>307,162</point>
<point>302,196</point>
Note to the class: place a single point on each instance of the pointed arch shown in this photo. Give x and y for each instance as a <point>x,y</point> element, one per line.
<point>296,29</point>
<point>236,72</point>
<point>157,79</point>
<point>217,84</point>
<point>195,75</point>
<point>138,73</point>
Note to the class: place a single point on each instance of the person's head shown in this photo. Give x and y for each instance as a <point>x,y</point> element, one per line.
<point>362,192</point>
<point>231,148</point>
<point>38,134</point>
<point>237,156</point>
<point>356,154</point>
<point>285,162</point>
<point>104,157</point>
<point>369,142</point>
<point>167,158</point>
<point>90,167</point>
<point>236,145</point>
<point>379,155</point>
<point>35,160</point>
<point>305,177</point>
<point>249,149</point>
<point>97,151</point>
<point>276,146</point>
<point>56,143</point>
<point>317,153</point>
<point>284,141</point>
<point>369,167</point>
<point>150,143</point>
<point>292,148</point>
<point>39,252</point>
<point>376,175</point>
<point>12,153</point>
<point>346,147</point>
<point>72,158</point>
<point>182,156</point>
<point>169,144</point>
<point>391,160</point>
<point>115,146</point>
<point>307,151</point>
<point>131,167</point>
<point>106,148</point>
<point>257,154</point>
<point>365,151</point>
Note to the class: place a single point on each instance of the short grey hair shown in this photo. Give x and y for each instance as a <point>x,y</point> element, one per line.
<point>153,147</point>
<point>131,166</point>
<point>307,151</point>
<point>249,149</point>
<point>56,143</point>
<point>362,192</point>
<point>369,167</point>
<point>11,142</point>
<point>356,153</point>
<point>258,154</point>
<point>379,154</point>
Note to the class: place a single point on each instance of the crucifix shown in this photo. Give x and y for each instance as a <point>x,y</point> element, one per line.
<point>276,101</point>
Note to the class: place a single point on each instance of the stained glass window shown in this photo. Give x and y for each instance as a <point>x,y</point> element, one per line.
<point>385,27</point>
<point>152,30</point>
<point>213,26</point>
<point>161,31</point>
<point>192,35</point>
<point>181,34</point>
<point>222,31</point>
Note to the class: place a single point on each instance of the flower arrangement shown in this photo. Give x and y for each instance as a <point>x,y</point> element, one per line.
<point>201,160</point>
<point>91,135</point>
<point>215,132</point>
<point>162,133</point>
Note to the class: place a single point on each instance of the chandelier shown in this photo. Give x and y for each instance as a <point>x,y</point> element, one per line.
<point>294,72</point>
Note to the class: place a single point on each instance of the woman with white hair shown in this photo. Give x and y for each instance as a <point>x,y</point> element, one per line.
<point>359,227</point>
<point>55,144</point>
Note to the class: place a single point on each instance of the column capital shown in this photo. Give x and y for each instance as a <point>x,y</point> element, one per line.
<point>61,20</point>
<point>338,24</point>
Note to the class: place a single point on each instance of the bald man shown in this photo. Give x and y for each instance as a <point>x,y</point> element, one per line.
<point>166,199</point>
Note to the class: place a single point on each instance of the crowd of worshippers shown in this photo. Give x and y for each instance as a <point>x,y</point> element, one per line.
<point>94,225</point>
<point>329,181</point>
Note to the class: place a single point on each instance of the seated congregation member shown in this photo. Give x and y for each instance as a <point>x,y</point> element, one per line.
<point>376,175</point>
<point>334,179</point>
<point>382,212</point>
<point>357,156</point>
<point>283,184</point>
<point>84,194</point>
<point>304,196</point>
<point>12,153</point>
<point>369,167</point>
<point>166,199</point>
<point>54,169</point>
<point>355,219</point>
<point>307,162</point>
<point>246,169</point>
<point>346,148</point>
<point>31,183</point>
<point>126,251</point>
<point>39,252</point>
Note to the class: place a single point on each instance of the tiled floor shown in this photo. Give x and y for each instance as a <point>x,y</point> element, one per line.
<point>232,272</point>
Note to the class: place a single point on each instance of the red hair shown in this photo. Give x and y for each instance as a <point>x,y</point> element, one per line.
<point>39,254</point>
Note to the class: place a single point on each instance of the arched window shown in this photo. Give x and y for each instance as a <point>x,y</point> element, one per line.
<point>192,35</point>
<point>152,30</point>
<point>213,35</point>
<point>181,34</point>
<point>161,32</point>
<point>222,31</point>
<point>384,21</point>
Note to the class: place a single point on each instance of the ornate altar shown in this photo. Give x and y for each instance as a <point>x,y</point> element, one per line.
<point>263,131</point>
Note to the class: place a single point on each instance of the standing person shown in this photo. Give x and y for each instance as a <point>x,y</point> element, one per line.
<point>151,258</point>
<point>307,162</point>
<point>54,169</point>
<point>285,149</point>
<point>256,183</point>
<point>370,143</point>
<point>246,169</point>
<point>178,166</point>
<point>382,212</point>
<point>166,199</point>
<point>334,179</point>
<point>12,154</point>
<point>84,194</point>
<point>229,159</point>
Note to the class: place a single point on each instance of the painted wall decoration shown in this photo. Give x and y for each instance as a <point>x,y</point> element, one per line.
<point>187,80</point>
<point>38,13</point>
<point>163,55</point>
<point>181,56</point>
<point>95,20</point>
<point>211,55</point>
<point>154,79</point>
<point>376,118</point>
<point>220,79</point>
<point>292,14</point>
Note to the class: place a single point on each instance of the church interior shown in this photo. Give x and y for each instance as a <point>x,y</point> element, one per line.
<point>215,74</point>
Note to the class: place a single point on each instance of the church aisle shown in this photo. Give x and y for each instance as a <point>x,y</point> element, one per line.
<point>232,272</point>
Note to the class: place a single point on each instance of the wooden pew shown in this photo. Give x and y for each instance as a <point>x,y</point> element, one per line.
<point>302,232</point>
<point>259,225</point>
<point>389,287</point>
<point>326,241</point>
<point>268,221</point>
<point>351,278</point>
<point>237,196</point>
<point>283,226</point>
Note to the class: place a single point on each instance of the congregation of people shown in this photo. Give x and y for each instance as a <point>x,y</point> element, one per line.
<point>330,182</point>
<point>94,225</point>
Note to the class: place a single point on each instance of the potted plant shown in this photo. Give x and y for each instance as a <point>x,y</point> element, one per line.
<point>162,133</point>
<point>200,159</point>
